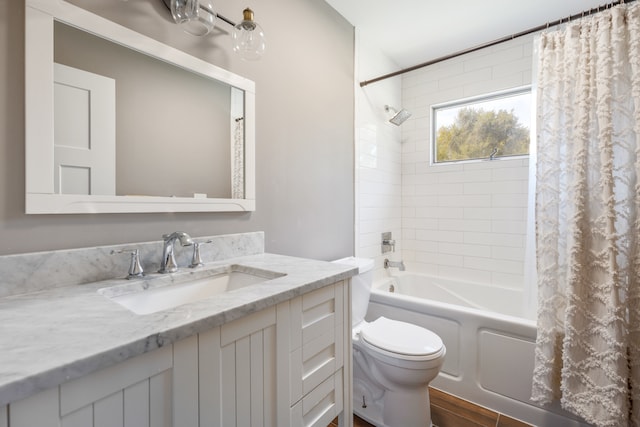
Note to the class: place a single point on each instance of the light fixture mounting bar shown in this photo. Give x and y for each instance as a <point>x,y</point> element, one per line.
<point>227,20</point>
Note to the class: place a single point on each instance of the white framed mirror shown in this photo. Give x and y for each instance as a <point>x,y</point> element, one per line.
<point>119,122</point>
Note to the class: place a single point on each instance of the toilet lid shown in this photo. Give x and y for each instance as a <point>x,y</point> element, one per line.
<point>401,337</point>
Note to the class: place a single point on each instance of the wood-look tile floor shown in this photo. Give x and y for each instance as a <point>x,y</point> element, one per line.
<point>450,411</point>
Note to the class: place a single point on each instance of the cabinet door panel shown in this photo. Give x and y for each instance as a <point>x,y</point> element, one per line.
<point>93,387</point>
<point>185,382</point>
<point>80,418</point>
<point>160,408</point>
<point>23,413</point>
<point>228,376</point>
<point>257,391</point>
<point>210,380</point>
<point>245,326</point>
<point>269,376</point>
<point>136,405</point>
<point>243,382</point>
<point>248,381</point>
<point>109,412</point>
<point>4,416</point>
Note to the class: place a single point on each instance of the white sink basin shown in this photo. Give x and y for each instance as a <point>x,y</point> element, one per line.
<point>151,296</point>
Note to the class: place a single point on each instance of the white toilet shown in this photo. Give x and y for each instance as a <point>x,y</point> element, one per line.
<point>393,361</point>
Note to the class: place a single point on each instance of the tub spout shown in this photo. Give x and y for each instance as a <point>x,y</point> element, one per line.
<point>395,264</point>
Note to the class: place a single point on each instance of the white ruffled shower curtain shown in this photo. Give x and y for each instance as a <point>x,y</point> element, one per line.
<point>237,161</point>
<point>587,226</point>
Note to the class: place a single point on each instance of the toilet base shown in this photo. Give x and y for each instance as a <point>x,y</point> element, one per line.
<point>407,409</point>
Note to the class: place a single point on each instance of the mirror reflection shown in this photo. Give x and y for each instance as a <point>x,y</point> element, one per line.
<point>119,122</point>
<point>173,132</point>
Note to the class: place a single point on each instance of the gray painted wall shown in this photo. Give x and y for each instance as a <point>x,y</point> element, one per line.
<point>304,144</point>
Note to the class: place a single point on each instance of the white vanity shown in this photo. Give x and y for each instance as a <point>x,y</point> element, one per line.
<point>276,353</point>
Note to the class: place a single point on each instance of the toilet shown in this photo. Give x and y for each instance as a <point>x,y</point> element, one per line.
<point>393,361</point>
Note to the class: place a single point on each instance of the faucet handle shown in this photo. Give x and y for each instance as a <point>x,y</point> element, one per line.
<point>135,269</point>
<point>388,244</point>
<point>196,261</point>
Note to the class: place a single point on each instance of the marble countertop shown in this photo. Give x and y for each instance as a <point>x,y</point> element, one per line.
<point>53,336</point>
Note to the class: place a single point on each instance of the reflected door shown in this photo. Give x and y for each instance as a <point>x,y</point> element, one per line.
<point>84,132</point>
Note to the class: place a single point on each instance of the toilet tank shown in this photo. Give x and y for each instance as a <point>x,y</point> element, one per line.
<point>360,286</point>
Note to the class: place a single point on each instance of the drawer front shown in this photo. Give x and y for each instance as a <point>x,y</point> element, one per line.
<point>317,349</point>
<point>321,405</point>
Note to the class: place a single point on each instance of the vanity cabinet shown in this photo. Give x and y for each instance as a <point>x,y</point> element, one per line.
<point>287,365</point>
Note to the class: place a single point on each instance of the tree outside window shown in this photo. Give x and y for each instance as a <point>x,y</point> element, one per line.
<point>490,127</point>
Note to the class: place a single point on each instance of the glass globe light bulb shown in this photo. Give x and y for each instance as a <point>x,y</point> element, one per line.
<point>248,38</point>
<point>196,17</point>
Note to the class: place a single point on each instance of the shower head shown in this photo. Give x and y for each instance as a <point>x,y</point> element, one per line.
<point>399,117</point>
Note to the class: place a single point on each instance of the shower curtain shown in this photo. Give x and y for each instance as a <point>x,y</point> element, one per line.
<point>587,226</point>
<point>237,161</point>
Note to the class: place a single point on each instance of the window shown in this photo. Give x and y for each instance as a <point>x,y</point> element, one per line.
<point>487,127</point>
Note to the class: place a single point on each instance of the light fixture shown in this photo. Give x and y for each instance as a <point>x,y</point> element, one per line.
<point>248,38</point>
<point>198,17</point>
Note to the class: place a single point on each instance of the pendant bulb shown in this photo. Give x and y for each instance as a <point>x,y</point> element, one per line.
<point>248,38</point>
<point>196,17</point>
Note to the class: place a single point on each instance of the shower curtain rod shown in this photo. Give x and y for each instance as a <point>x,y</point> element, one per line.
<point>498,41</point>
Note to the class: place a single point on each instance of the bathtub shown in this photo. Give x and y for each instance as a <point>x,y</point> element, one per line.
<point>490,346</point>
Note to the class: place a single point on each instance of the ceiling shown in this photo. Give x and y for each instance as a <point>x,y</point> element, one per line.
<point>411,32</point>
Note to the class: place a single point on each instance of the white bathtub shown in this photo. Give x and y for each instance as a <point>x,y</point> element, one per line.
<point>490,347</point>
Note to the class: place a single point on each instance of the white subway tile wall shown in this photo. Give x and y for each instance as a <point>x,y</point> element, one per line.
<point>378,159</point>
<point>467,220</point>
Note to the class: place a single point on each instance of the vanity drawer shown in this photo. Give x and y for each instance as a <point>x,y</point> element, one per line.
<point>320,406</point>
<point>317,340</point>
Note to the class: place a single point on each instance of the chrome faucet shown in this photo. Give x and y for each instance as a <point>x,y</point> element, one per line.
<point>394,264</point>
<point>168,264</point>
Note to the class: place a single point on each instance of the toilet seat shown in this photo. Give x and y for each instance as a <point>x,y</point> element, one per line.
<point>402,340</point>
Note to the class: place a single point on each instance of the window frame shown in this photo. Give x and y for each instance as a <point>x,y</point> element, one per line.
<point>470,101</point>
